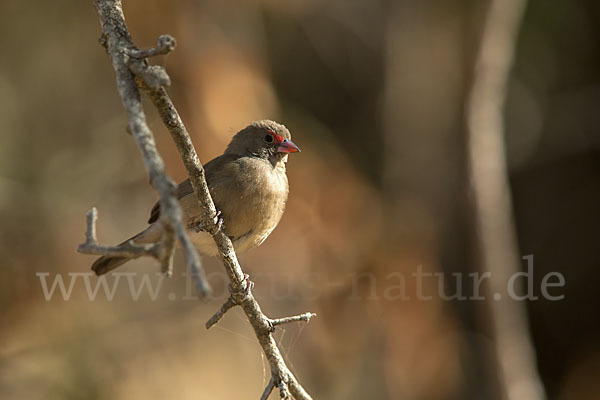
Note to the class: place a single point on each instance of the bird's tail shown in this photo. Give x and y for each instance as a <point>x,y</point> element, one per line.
<point>106,264</point>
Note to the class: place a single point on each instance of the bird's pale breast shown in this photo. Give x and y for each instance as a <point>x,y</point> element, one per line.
<point>251,195</point>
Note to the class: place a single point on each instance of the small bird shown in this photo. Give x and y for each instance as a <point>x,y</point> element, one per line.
<point>248,184</point>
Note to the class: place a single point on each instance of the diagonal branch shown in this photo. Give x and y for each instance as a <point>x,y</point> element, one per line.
<point>118,42</point>
<point>260,323</point>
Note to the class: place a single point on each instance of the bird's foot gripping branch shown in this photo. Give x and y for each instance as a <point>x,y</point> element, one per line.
<point>200,224</point>
<point>132,73</point>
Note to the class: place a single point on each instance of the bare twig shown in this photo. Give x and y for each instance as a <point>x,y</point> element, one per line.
<point>119,45</point>
<point>220,312</point>
<point>489,179</point>
<point>268,389</point>
<point>164,45</point>
<point>154,76</point>
<point>296,318</point>
<point>127,249</point>
<point>117,41</point>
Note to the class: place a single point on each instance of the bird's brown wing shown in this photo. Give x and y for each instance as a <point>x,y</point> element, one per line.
<point>211,169</point>
<point>249,195</point>
<point>183,189</point>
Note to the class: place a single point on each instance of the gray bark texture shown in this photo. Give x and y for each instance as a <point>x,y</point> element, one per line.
<point>134,72</point>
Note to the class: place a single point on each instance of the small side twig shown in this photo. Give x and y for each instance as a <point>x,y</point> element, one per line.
<point>162,251</point>
<point>164,45</point>
<point>296,318</point>
<point>268,389</point>
<point>220,312</point>
<point>154,76</point>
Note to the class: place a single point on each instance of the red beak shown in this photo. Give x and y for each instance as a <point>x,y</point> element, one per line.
<point>287,146</point>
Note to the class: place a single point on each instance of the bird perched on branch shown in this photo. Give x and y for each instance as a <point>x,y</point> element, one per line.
<point>248,184</point>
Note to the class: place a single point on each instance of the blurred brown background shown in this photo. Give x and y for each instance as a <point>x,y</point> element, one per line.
<point>374,94</point>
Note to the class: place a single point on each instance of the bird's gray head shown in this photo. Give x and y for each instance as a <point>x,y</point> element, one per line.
<point>264,139</point>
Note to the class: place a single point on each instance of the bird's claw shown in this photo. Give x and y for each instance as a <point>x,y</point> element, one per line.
<point>218,221</point>
<point>200,226</point>
<point>197,226</point>
<point>249,286</point>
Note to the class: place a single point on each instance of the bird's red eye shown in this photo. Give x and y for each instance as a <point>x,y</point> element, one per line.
<point>273,137</point>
